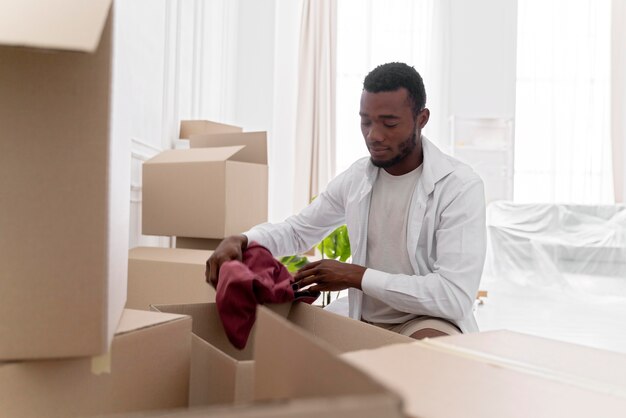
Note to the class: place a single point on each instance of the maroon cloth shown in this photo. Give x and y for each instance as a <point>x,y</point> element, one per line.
<point>242,285</point>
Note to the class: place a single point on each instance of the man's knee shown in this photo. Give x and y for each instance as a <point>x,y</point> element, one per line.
<point>427,333</point>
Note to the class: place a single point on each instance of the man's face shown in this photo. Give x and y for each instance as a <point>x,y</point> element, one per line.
<point>391,132</point>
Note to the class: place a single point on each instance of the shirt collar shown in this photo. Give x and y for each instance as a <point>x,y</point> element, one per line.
<point>436,166</point>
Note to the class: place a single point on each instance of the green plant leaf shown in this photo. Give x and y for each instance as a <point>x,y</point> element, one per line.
<point>294,262</point>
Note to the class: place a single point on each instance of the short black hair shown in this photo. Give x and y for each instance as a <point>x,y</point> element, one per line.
<point>394,75</point>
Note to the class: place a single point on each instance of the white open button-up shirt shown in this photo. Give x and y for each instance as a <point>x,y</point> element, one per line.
<point>446,237</point>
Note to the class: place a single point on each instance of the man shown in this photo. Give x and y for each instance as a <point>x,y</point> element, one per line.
<point>415,217</point>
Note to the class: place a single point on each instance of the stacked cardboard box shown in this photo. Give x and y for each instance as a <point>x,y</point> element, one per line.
<point>159,275</point>
<point>216,188</point>
<point>199,195</point>
<point>67,346</point>
<point>146,368</point>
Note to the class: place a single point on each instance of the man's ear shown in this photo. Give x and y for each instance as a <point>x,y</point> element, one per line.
<point>422,118</point>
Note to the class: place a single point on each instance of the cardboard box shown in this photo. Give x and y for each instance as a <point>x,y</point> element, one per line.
<point>194,127</point>
<point>255,143</point>
<point>542,354</point>
<point>204,192</point>
<point>147,368</point>
<point>64,187</point>
<point>301,376</point>
<point>167,276</point>
<point>222,374</point>
<point>357,406</point>
<point>436,381</point>
<point>197,243</point>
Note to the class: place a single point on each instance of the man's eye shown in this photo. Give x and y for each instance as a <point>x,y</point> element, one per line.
<point>391,125</point>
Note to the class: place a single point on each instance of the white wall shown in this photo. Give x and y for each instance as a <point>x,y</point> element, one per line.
<point>482,68</point>
<point>235,61</point>
<point>483,58</point>
<point>189,59</point>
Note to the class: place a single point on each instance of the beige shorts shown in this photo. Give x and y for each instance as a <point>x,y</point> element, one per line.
<point>410,327</point>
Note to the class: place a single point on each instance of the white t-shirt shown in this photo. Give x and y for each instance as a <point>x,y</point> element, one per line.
<point>386,238</point>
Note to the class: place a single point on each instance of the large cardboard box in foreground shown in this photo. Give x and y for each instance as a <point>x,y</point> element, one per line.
<point>147,368</point>
<point>437,379</point>
<point>204,192</point>
<point>299,375</point>
<point>64,182</point>
<point>553,357</point>
<point>222,374</point>
<point>167,276</point>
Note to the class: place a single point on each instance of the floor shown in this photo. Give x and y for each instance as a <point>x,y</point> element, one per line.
<point>586,310</point>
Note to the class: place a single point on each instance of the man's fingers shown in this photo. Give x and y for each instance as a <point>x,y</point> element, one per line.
<point>213,272</point>
<point>308,267</point>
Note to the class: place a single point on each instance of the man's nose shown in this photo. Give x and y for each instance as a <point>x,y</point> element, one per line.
<point>374,135</point>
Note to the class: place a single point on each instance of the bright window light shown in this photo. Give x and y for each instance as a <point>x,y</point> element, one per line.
<point>562,124</point>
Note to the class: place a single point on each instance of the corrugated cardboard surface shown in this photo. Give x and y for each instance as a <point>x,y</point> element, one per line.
<point>194,127</point>
<point>203,192</point>
<point>197,243</point>
<point>551,356</point>
<point>73,25</point>
<point>370,406</point>
<point>439,383</point>
<point>292,362</point>
<point>222,374</point>
<point>255,143</point>
<point>167,276</point>
<point>64,199</point>
<point>149,369</point>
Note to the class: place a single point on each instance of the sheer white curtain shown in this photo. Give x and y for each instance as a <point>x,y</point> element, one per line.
<point>315,128</point>
<point>562,134</point>
<point>373,32</point>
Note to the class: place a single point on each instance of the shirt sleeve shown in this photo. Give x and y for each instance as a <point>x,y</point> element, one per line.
<point>450,289</point>
<point>299,233</point>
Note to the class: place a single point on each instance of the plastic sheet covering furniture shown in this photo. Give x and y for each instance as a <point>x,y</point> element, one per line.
<point>556,271</point>
<point>549,245</point>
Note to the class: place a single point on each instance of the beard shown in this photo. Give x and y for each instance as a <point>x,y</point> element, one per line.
<point>404,149</point>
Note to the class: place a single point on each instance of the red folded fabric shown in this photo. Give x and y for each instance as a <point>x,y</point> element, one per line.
<point>258,279</point>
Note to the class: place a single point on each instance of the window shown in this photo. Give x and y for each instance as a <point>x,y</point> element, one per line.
<point>374,32</point>
<point>562,134</point>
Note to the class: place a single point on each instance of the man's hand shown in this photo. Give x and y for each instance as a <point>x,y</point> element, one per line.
<point>231,248</point>
<point>330,275</point>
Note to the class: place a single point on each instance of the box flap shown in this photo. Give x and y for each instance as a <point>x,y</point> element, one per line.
<point>74,25</point>
<point>291,363</point>
<point>255,143</point>
<point>193,127</point>
<point>133,320</point>
<point>551,356</point>
<point>170,255</point>
<point>343,333</point>
<point>428,379</point>
<point>200,155</point>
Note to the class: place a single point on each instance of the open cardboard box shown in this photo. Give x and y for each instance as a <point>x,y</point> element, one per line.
<point>221,374</point>
<point>357,406</point>
<point>439,379</point>
<point>64,187</point>
<point>167,276</point>
<point>205,192</point>
<point>195,127</point>
<point>299,375</point>
<point>147,368</point>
